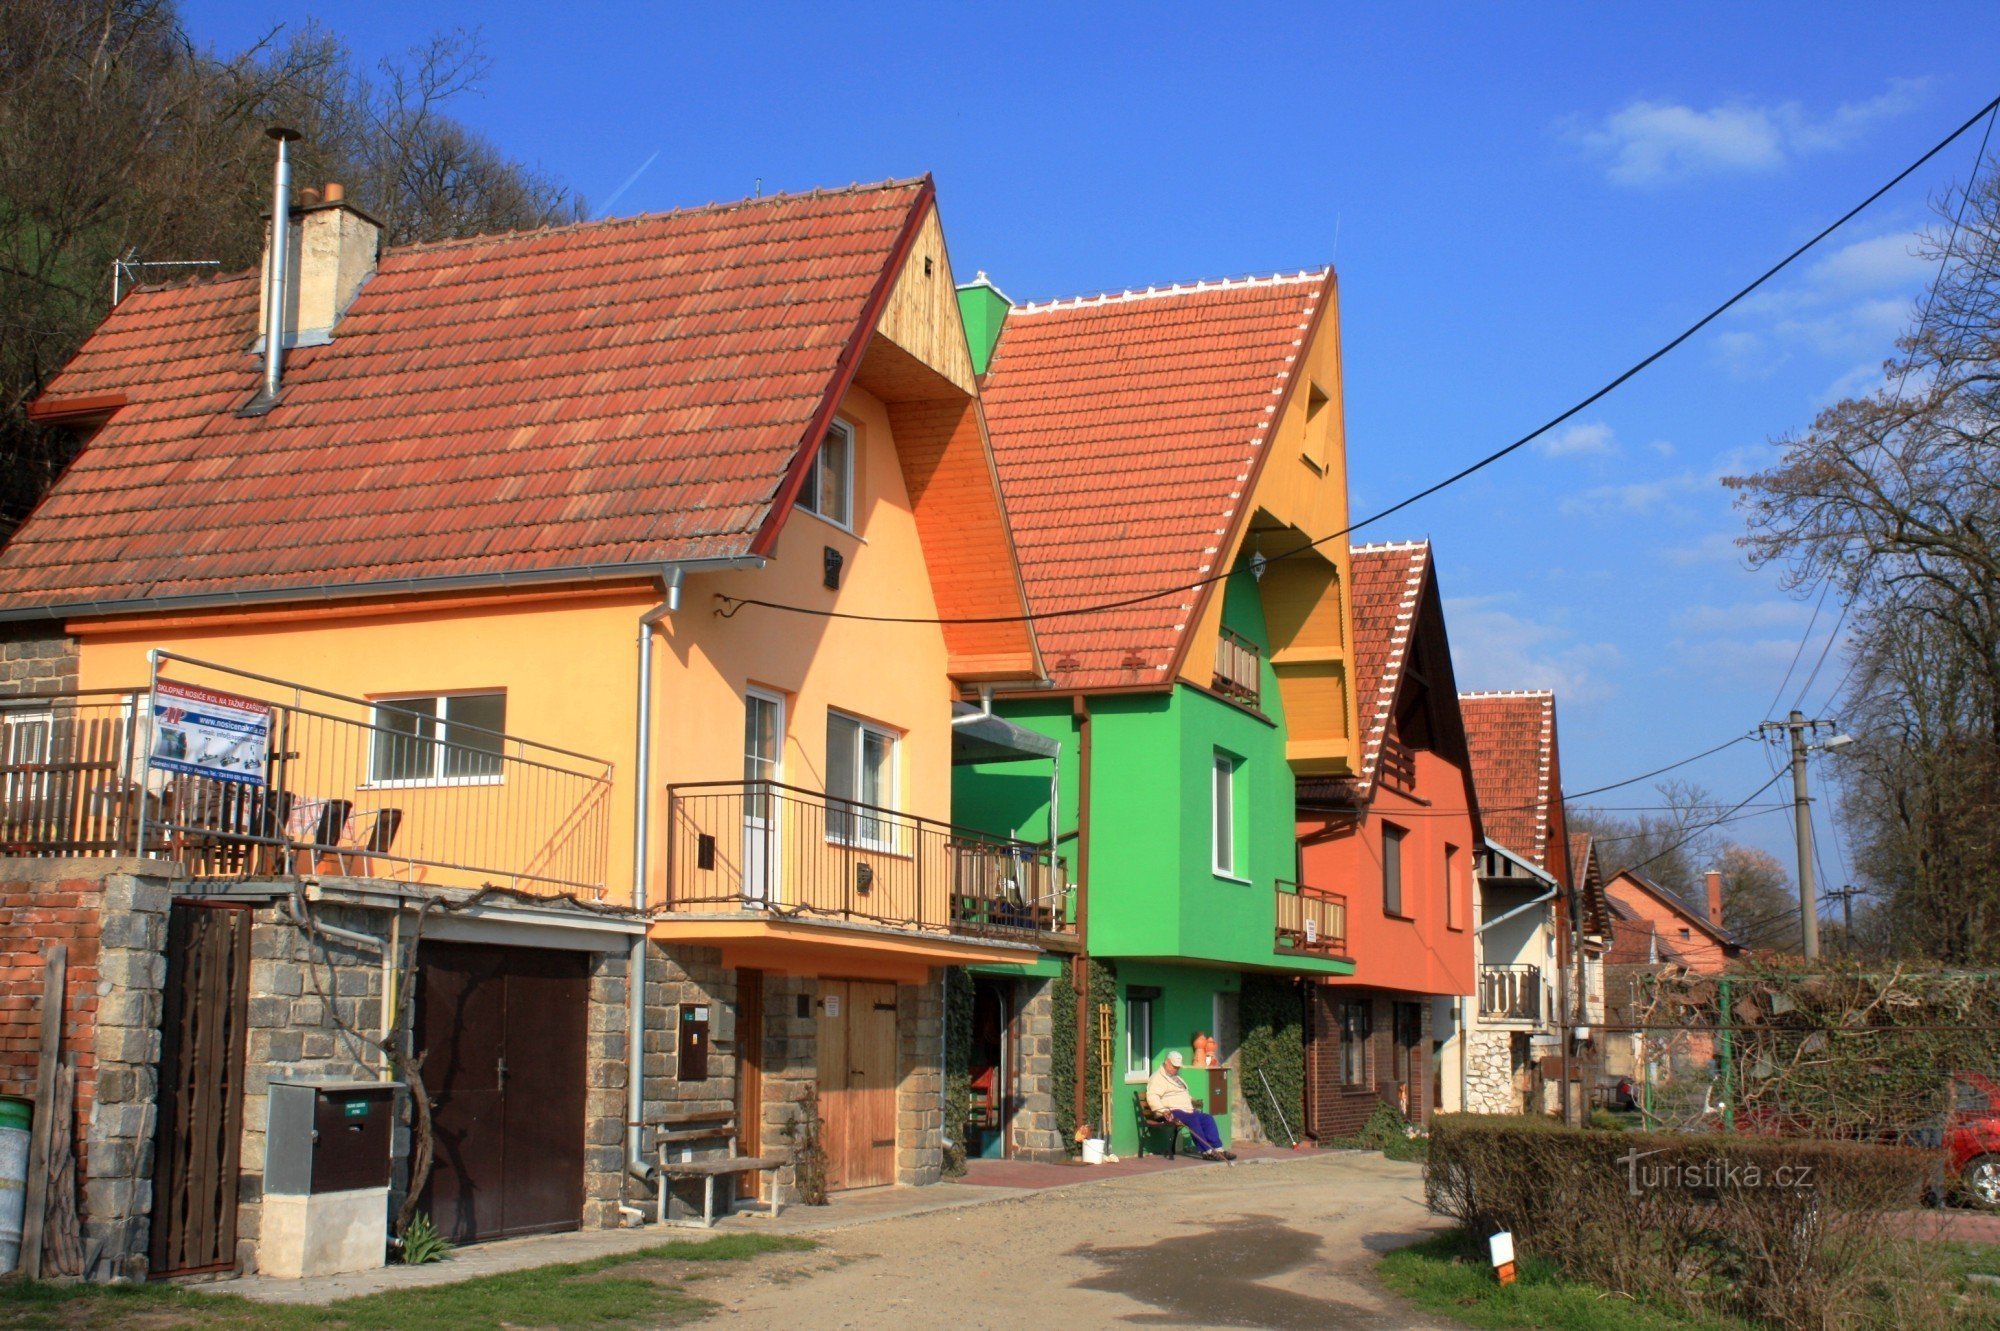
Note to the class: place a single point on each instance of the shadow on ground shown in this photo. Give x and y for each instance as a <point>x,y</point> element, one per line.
<point>1216,1277</point>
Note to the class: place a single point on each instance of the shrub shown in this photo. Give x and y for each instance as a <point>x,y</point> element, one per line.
<point>1603,1120</point>
<point>422,1244</point>
<point>957,1068</point>
<point>1784,1230</point>
<point>1273,1051</point>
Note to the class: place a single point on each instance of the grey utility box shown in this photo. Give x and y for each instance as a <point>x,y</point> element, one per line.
<point>327,1149</point>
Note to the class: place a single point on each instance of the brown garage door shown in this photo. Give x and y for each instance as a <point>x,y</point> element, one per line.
<point>857,1082</point>
<point>502,1031</point>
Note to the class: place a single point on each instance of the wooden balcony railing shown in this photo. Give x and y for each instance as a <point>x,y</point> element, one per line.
<point>1239,669</point>
<point>1311,920</point>
<point>766,846</point>
<point>1511,993</point>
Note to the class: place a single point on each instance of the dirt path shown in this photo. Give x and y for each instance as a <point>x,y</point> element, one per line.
<point>1272,1245</point>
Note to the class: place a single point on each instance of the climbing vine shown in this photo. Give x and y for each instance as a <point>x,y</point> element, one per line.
<point>1274,1051</point>
<point>957,1068</point>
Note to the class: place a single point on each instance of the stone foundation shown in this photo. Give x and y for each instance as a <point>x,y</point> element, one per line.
<point>1036,1136</point>
<point>1489,1072</point>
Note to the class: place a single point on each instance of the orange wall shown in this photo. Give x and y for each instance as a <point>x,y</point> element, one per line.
<point>569,666</point>
<point>1698,951</point>
<point>1419,954</point>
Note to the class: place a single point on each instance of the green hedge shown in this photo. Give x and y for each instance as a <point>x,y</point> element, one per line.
<point>957,1067</point>
<point>1783,1230</point>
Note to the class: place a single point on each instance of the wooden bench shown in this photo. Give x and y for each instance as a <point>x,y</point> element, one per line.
<point>695,1131</point>
<point>1151,1122</point>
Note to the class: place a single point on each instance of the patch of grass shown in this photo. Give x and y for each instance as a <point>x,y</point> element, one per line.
<point>1451,1275</point>
<point>1386,1131</point>
<point>590,1293</point>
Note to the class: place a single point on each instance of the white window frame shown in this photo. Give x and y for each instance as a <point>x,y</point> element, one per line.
<point>808,498</point>
<point>1139,1068</point>
<point>891,785</point>
<point>438,779</point>
<point>1222,816</point>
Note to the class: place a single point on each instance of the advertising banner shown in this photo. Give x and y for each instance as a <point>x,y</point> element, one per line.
<point>205,733</point>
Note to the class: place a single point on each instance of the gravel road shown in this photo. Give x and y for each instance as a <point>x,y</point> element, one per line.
<point>1277,1244</point>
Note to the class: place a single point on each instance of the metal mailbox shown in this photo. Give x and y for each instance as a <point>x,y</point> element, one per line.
<point>329,1136</point>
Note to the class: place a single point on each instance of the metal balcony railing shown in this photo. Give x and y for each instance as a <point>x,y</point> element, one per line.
<point>334,786</point>
<point>769,847</point>
<point>1512,993</point>
<point>1238,668</point>
<point>1310,920</point>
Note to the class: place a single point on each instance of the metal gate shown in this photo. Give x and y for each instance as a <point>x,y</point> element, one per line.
<point>199,1139</point>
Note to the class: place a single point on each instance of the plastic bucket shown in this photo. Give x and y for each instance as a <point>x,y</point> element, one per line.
<point>15,1117</point>
<point>1093,1154</point>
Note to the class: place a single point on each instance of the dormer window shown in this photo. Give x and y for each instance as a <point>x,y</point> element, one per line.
<point>828,491</point>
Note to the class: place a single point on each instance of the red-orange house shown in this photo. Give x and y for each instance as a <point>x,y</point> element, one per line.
<point>1398,840</point>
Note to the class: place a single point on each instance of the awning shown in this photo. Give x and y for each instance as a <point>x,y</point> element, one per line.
<point>978,737</point>
<point>795,946</point>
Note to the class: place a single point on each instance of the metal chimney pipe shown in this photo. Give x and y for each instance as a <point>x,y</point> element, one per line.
<point>278,279</point>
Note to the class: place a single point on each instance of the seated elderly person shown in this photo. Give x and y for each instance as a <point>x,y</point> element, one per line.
<point>1167,1095</point>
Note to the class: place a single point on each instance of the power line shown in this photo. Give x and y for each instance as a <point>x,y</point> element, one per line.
<point>732,604</point>
<point>1633,780</point>
<point>1703,827</point>
<point>1800,651</point>
<point>1732,816</point>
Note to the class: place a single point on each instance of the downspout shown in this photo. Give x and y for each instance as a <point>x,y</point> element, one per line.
<point>1080,709</point>
<point>635,982</point>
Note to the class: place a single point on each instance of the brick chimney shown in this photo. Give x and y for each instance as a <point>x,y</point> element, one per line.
<point>1714,877</point>
<point>333,250</point>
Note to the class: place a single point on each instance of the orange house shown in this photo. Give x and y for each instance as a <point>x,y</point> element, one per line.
<point>586,582</point>
<point>1399,841</point>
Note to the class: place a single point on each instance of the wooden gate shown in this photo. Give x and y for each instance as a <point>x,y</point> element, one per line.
<point>502,1033</point>
<point>857,1082</point>
<point>198,1141</point>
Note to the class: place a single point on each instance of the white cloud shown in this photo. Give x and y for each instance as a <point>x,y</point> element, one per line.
<point>1651,498</point>
<point>1584,438</point>
<point>1742,618</point>
<point>1718,547</point>
<point>1648,143</point>
<point>1851,304</point>
<point>1495,648</point>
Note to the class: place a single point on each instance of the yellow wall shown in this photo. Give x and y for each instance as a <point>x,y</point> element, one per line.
<point>569,666</point>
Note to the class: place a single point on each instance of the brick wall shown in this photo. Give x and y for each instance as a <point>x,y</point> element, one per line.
<point>1340,1109</point>
<point>36,658</point>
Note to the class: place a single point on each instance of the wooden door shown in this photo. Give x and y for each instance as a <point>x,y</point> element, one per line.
<point>502,1034</point>
<point>857,1082</point>
<point>750,1074</point>
<point>199,1135</point>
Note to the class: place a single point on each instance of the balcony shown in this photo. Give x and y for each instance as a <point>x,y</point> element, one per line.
<point>1311,921</point>
<point>1239,668</point>
<point>1512,993</point>
<point>768,849</point>
<point>120,772</point>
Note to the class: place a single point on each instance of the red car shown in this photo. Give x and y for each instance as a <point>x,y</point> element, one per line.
<point>1972,1136</point>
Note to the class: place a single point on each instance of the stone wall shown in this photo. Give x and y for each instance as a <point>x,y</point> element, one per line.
<point>37,658</point>
<point>920,1082</point>
<point>604,1096</point>
<point>791,1060</point>
<point>1036,1136</point>
<point>1489,1072</point>
<point>678,977</point>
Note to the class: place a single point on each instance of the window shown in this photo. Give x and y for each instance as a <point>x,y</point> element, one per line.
<point>1453,919</point>
<point>1319,426</point>
<point>1139,1033</point>
<point>1223,820</point>
<point>1687,935</point>
<point>860,769</point>
<point>829,484</point>
<point>437,739</point>
<point>1357,1023</point>
<point>1392,869</point>
<point>24,742</point>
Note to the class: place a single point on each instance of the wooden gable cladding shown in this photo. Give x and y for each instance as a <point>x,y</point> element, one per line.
<point>954,492</point>
<point>921,319</point>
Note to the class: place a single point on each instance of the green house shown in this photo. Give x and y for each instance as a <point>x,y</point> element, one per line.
<point>1174,474</point>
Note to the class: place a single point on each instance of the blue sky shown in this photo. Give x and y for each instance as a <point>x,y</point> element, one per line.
<point>1524,202</point>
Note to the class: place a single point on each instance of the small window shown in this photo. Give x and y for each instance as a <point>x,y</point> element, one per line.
<point>1222,821</point>
<point>829,485</point>
<point>861,772</point>
<point>437,739</point>
<point>1319,426</point>
<point>1392,869</point>
<point>1138,1036</point>
<point>1357,1024</point>
<point>1687,935</point>
<point>1453,917</point>
<point>1409,1029</point>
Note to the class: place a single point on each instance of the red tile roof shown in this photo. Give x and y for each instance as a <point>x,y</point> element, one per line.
<point>606,395</point>
<point>1512,737</point>
<point>1127,429</point>
<point>1387,586</point>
